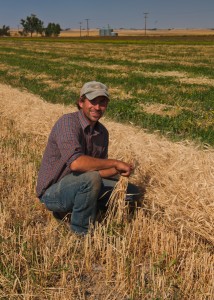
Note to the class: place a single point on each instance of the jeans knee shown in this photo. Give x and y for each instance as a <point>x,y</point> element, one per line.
<point>94,180</point>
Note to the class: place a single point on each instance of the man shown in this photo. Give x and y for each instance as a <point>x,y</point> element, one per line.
<point>75,167</point>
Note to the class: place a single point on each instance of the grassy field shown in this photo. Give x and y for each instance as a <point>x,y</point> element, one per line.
<point>156,84</point>
<point>161,249</point>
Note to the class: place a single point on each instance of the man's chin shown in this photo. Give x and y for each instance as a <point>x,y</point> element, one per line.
<point>95,118</point>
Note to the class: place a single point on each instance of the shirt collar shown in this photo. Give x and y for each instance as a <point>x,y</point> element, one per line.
<point>85,123</point>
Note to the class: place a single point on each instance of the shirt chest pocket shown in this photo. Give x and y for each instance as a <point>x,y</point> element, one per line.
<point>95,147</point>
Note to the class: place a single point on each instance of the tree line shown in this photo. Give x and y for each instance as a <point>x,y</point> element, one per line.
<point>31,25</point>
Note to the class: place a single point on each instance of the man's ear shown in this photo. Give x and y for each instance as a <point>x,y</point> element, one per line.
<point>80,103</point>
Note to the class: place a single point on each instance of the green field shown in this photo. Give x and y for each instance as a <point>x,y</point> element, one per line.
<point>165,86</point>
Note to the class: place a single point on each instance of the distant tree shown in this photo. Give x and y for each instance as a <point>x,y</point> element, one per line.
<point>52,29</point>
<point>5,30</point>
<point>32,24</point>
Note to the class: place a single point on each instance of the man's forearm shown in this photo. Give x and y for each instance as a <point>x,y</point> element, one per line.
<point>106,173</point>
<point>86,163</point>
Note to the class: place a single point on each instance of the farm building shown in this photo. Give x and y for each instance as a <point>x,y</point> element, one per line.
<point>107,32</point>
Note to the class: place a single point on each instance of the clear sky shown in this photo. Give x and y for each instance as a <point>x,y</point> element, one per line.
<point>114,13</point>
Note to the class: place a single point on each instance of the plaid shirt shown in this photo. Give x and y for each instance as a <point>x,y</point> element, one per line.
<point>70,138</point>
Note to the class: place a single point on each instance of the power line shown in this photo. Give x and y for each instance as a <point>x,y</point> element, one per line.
<point>80,28</point>
<point>87,26</point>
<point>145,17</point>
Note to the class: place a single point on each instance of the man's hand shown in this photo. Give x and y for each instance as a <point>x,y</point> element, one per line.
<point>123,168</point>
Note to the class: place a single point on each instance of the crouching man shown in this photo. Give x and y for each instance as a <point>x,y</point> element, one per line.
<point>75,170</point>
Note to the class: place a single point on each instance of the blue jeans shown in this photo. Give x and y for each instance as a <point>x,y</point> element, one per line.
<point>79,193</point>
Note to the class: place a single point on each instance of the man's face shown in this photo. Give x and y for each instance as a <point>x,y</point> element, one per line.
<point>94,109</point>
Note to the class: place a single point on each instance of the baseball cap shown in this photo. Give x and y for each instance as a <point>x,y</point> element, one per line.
<point>93,89</point>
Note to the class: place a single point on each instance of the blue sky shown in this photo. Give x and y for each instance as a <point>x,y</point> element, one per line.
<point>115,13</point>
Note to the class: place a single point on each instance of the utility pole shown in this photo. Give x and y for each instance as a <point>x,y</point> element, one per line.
<point>87,26</point>
<point>145,17</point>
<point>80,28</point>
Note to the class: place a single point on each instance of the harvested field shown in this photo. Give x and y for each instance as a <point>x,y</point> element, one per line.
<point>164,250</point>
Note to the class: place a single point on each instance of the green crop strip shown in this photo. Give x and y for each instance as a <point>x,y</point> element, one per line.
<point>163,86</point>
<point>164,40</point>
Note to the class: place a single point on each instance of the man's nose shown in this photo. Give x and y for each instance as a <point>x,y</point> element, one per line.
<point>97,106</point>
